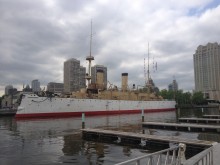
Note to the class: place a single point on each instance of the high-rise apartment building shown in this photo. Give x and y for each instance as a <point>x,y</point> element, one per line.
<point>82,75</point>
<point>173,86</point>
<point>35,85</point>
<point>207,70</point>
<point>94,70</point>
<point>7,89</point>
<point>55,87</point>
<point>74,76</point>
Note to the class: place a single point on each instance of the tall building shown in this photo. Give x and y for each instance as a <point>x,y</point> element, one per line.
<point>173,86</point>
<point>207,70</point>
<point>74,76</point>
<point>7,89</point>
<point>35,85</point>
<point>94,70</point>
<point>82,75</point>
<point>55,87</point>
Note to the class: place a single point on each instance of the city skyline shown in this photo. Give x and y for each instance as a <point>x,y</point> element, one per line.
<point>38,36</point>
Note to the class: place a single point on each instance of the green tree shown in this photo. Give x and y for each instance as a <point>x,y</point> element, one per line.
<point>179,96</point>
<point>198,98</point>
<point>167,94</point>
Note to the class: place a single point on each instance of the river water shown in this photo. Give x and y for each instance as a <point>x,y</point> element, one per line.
<point>58,141</point>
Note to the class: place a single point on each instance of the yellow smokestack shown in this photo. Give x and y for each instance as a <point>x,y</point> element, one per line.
<point>124,81</point>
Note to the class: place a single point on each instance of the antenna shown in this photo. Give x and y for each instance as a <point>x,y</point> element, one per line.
<point>148,67</point>
<point>145,72</point>
<point>90,52</point>
<point>90,58</point>
<point>148,84</point>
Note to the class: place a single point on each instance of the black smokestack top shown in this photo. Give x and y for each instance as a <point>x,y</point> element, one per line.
<point>124,74</point>
<point>99,71</point>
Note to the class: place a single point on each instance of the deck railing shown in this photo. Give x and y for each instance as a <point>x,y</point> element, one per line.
<point>170,156</point>
<point>173,156</point>
<point>203,158</point>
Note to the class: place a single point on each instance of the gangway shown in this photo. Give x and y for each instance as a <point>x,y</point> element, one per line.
<point>171,156</point>
<point>174,156</point>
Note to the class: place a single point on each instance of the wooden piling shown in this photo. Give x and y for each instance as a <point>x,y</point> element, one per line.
<point>142,119</point>
<point>83,120</point>
<point>142,115</point>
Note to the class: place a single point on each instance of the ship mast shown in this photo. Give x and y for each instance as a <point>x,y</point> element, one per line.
<point>148,67</point>
<point>90,58</point>
<point>148,71</point>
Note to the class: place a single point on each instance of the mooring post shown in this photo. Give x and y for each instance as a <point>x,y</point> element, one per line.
<point>177,113</point>
<point>142,119</point>
<point>181,153</point>
<point>142,115</point>
<point>83,120</point>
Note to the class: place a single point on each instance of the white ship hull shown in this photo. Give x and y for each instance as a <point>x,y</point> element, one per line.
<point>34,106</point>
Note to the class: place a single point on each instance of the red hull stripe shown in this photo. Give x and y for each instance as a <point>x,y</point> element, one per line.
<point>89,113</point>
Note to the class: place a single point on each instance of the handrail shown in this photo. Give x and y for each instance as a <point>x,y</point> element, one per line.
<point>206,157</point>
<point>176,158</point>
<point>172,161</point>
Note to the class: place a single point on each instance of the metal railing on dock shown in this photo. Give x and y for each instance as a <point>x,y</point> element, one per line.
<point>203,158</point>
<point>173,156</point>
<point>170,156</point>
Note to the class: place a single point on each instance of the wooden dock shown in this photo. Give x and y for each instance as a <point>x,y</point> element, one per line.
<point>150,142</point>
<point>211,116</point>
<point>7,112</point>
<point>199,120</point>
<point>182,126</point>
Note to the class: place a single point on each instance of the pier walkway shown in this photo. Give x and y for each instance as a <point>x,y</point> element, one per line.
<point>100,133</point>
<point>199,120</point>
<point>211,116</point>
<point>216,152</point>
<point>182,126</point>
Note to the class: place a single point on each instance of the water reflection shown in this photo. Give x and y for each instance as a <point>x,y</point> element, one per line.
<point>58,141</point>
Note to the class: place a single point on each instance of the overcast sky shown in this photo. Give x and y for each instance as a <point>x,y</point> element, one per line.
<point>37,36</point>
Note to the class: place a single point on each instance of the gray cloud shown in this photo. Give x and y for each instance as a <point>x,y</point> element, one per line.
<point>37,37</point>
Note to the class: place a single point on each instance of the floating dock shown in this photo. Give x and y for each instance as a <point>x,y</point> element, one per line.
<point>199,120</point>
<point>182,126</point>
<point>150,142</point>
<point>211,116</point>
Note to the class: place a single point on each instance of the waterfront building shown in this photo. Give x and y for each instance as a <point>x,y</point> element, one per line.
<point>173,86</point>
<point>35,85</point>
<point>74,76</point>
<point>82,75</point>
<point>10,99</point>
<point>207,70</point>
<point>94,70</point>
<point>7,89</point>
<point>27,89</point>
<point>55,87</point>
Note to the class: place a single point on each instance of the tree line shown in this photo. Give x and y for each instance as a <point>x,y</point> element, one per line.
<point>183,98</point>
